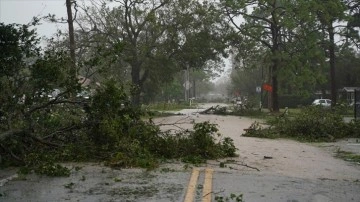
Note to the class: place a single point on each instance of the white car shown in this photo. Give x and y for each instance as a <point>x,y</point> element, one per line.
<point>322,102</point>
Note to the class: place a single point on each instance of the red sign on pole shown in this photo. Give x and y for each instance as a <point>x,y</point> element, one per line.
<point>267,87</point>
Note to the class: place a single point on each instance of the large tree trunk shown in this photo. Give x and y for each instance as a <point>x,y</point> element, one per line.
<point>275,50</point>
<point>275,97</point>
<point>138,77</point>
<point>71,38</point>
<point>138,80</point>
<point>137,87</point>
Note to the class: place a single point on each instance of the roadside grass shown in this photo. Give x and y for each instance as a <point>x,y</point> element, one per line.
<point>157,114</point>
<point>263,113</point>
<point>169,106</point>
<point>291,112</point>
<point>165,109</point>
<point>348,156</point>
<point>283,110</point>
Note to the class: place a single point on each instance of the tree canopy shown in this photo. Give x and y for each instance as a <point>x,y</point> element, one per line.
<point>295,40</point>
<point>149,39</point>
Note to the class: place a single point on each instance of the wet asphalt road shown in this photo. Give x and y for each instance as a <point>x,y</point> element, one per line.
<point>272,188</point>
<point>94,182</point>
<point>97,183</point>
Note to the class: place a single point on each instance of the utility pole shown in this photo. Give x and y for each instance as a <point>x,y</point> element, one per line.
<point>70,21</point>
<point>185,85</point>
<point>188,82</point>
<point>270,93</point>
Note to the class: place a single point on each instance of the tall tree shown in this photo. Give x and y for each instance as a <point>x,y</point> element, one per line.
<point>27,76</point>
<point>70,21</point>
<point>263,23</point>
<point>157,38</point>
<point>329,13</point>
<point>353,24</point>
<point>18,48</point>
<point>292,33</point>
<point>348,71</point>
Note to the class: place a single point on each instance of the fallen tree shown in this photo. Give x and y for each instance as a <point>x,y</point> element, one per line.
<point>38,131</point>
<point>105,128</point>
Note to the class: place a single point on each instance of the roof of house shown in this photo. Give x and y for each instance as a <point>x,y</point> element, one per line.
<point>84,81</point>
<point>350,89</point>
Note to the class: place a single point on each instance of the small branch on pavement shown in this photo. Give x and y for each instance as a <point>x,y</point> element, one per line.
<point>177,123</point>
<point>212,192</point>
<point>240,164</point>
<point>211,109</point>
<point>243,164</point>
<point>180,121</point>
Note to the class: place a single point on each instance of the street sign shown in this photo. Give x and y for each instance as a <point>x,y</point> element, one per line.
<point>267,87</point>
<point>258,89</point>
<point>187,85</point>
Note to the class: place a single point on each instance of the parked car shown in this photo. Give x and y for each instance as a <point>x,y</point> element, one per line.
<point>85,94</point>
<point>322,102</point>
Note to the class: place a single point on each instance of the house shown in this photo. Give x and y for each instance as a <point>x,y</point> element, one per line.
<point>348,94</point>
<point>86,82</point>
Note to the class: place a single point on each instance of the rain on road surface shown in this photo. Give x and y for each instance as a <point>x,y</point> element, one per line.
<point>295,172</point>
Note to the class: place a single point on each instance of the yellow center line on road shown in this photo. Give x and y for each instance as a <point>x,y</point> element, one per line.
<point>208,185</point>
<point>189,197</point>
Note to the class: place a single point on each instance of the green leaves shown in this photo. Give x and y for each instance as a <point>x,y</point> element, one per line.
<point>311,124</point>
<point>148,39</point>
<point>291,37</point>
<point>16,43</point>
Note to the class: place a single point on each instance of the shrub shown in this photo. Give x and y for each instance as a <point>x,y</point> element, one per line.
<point>252,112</point>
<point>311,124</point>
<point>109,129</point>
<point>228,148</point>
<point>195,146</point>
<point>256,130</point>
<point>293,101</point>
<point>353,129</point>
<point>44,164</point>
<point>118,131</point>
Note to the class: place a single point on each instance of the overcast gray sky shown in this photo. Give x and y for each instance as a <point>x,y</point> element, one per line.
<point>22,11</point>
